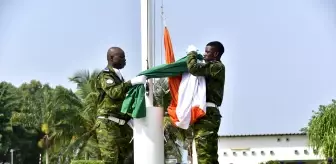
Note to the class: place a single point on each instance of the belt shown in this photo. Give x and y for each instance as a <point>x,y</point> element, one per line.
<point>210,104</point>
<point>118,121</point>
<point>114,119</point>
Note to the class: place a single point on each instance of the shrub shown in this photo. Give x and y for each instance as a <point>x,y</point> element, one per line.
<point>270,162</point>
<point>86,162</point>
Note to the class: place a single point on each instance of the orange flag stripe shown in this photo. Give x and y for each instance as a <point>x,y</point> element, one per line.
<point>173,82</point>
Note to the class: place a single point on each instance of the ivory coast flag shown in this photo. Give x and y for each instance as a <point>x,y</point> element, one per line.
<point>188,101</point>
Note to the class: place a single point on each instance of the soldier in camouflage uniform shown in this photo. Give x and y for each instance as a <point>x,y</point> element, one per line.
<point>205,129</point>
<point>113,133</point>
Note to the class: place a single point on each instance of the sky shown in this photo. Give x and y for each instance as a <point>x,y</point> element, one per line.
<point>279,58</point>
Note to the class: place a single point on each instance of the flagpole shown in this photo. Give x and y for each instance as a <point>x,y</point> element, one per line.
<point>148,131</point>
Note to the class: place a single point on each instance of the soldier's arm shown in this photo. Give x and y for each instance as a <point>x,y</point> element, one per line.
<point>202,69</point>
<point>113,90</point>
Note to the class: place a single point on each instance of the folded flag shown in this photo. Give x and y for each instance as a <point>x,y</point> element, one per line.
<point>134,102</point>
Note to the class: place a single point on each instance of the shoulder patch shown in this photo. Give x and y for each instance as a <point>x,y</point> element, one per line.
<point>109,81</point>
<point>106,70</point>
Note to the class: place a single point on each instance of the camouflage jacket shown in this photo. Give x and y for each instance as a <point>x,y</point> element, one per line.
<point>214,73</point>
<point>112,91</point>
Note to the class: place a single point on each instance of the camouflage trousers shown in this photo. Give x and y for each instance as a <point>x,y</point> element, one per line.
<point>205,132</point>
<point>114,142</point>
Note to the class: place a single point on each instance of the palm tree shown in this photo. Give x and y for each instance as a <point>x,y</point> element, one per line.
<point>66,121</point>
<point>85,143</point>
<point>32,113</point>
<point>85,82</point>
<point>51,113</point>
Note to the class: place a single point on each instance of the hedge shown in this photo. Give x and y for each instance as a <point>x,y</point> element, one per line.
<point>271,162</point>
<point>86,162</point>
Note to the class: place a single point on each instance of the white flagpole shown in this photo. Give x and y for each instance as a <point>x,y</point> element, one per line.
<point>148,131</point>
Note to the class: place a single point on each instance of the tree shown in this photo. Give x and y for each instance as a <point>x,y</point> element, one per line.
<point>64,122</point>
<point>50,115</point>
<point>304,130</point>
<point>49,119</point>
<point>322,130</point>
<point>85,82</point>
<point>20,139</point>
<point>9,102</point>
<point>86,142</point>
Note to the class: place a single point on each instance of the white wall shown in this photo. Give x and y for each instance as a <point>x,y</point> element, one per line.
<point>253,150</point>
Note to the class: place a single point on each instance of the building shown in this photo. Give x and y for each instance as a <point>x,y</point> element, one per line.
<point>288,148</point>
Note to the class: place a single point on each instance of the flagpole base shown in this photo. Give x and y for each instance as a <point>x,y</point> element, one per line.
<point>148,137</point>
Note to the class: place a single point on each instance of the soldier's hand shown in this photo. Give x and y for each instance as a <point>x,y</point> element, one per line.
<point>191,48</point>
<point>139,80</point>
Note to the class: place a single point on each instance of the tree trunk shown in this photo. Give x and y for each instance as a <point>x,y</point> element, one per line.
<point>98,150</point>
<point>47,156</point>
<point>86,156</point>
<point>190,151</point>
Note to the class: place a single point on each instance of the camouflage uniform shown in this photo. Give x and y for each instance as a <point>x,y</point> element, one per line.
<point>206,128</point>
<point>113,138</point>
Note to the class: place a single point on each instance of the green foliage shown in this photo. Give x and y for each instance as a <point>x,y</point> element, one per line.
<point>23,140</point>
<point>44,118</point>
<point>50,114</point>
<point>85,82</point>
<point>161,93</point>
<point>9,102</point>
<point>86,162</point>
<point>322,130</point>
<point>86,143</point>
<point>270,162</point>
<point>304,130</point>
